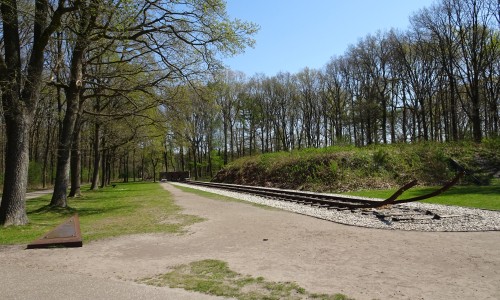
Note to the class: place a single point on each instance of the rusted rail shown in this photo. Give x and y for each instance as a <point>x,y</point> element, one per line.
<point>443,189</point>
<point>329,200</point>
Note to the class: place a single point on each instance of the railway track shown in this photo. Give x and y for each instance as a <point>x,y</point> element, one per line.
<point>339,202</point>
<point>391,213</point>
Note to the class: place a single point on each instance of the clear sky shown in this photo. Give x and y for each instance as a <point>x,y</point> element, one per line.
<point>296,34</point>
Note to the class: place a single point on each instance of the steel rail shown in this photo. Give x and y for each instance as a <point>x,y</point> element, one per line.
<point>328,200</point>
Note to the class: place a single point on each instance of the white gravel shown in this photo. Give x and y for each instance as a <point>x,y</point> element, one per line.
<point>414,216</point>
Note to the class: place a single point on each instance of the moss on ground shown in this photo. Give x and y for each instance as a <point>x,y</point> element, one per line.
<point>214,277</point>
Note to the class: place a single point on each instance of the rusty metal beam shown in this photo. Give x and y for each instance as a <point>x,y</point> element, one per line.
<point>67,234</point>
<point>398,193</point>
<point>444,188</point>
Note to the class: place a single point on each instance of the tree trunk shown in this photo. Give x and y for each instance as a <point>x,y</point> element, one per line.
<point>133,165</point>
<point>165,159</point>
<point>154,163</point>
<point>13,204</point>
<point>195,163</point>
<point>477,131</point>
<point>62,166</point>
<point>225,141</point>
<point>108,167</point>
<point>126,176</point>
<point>59,197</point>
<point>103,165</point>
<point>18,110</point>
<point>76,161</point>
<point>46,156</point>
<point>97,157</point>
<point>73,92</point>
<point>183,167</point>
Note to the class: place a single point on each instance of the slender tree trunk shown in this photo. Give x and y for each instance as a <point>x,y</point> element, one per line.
<point>103,165</point>
<point>154,163</point>
<point>76,161</point>
<point>477,131</point>
<point>63,163</point>
<point>108,167</point>
<point>133,165</point>
<point>97,157</point>
<point>59,197</point>
<point>183,165</point>
<point>225,129</point>
<point>73,92</point>
<point>453,110</point>
<point>126,167</point>
<point>46,155</point>
<point>165,160</point>
<point>142,166</point>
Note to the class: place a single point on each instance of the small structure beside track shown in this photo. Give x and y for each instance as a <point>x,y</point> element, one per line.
<point>177,176</point>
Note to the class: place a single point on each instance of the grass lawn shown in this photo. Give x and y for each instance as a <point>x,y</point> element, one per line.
<point>129,208</point>
<point>485,197</point>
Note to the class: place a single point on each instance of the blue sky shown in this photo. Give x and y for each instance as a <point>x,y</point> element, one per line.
<point>296,34</point>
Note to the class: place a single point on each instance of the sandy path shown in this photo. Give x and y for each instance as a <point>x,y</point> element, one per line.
<point>321,256</point>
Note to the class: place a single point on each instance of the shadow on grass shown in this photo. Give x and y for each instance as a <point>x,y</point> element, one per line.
<point>66,211</point>
<point>54,209</point>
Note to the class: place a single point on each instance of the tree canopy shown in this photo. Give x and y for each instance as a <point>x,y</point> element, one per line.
<point>100,90</point>
<point>93,56</point>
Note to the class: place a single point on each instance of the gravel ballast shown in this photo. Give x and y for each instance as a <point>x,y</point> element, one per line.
<point>413,216</point>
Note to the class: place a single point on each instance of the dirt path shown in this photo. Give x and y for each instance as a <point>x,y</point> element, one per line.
<point>320,256</point>
<point>31,195</point>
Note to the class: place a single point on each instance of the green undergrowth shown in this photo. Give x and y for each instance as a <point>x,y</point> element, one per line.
<point>129,208</point>
<point>214,277</point>
<point>349,168</point>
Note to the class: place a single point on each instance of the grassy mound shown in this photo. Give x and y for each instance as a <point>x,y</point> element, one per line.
<point>375,167</point>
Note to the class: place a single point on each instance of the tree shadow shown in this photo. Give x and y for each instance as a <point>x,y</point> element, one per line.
<point>66,211</point>
<point>54,209</point>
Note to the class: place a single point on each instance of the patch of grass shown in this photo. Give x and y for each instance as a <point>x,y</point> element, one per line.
<point>214,277</point>
<point>484,197</point>
<point>130,208</point>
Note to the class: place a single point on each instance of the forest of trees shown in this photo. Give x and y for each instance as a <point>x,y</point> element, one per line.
<point>82,82</point>
<point>100,90</point>
<point>437,81</point>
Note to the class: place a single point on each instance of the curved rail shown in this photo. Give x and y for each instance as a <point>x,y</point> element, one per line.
<point>443,189</point>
